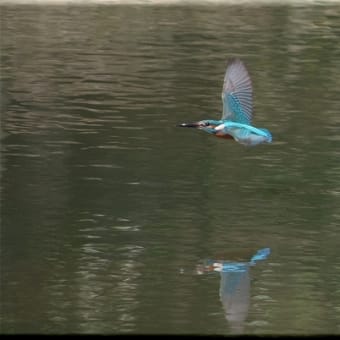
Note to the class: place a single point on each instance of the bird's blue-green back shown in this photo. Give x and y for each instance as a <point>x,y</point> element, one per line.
<point>237,93</point>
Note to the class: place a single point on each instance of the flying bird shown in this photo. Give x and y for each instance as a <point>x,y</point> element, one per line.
<point>237,99</point>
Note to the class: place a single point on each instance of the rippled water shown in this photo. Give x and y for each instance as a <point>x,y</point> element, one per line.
<point>112,219</point>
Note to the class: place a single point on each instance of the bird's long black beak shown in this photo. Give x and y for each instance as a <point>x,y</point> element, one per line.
<point>190,125</point>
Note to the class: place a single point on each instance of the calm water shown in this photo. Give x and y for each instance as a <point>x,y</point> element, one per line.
<point>113,219</point>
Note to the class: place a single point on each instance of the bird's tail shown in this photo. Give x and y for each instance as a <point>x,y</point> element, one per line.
<point>261,254</point>
<point>269,135</point>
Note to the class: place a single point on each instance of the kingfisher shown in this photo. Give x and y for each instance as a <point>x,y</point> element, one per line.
<point>237,99</point>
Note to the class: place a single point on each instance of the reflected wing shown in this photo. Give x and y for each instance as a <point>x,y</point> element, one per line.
<point>237,93</point>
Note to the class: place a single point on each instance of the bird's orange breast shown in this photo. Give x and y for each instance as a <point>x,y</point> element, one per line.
<point>220,134</point>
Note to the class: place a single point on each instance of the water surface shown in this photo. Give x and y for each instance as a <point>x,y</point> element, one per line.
<point>108,209</point>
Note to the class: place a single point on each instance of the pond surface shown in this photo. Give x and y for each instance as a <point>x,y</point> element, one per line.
<point>115,221</point>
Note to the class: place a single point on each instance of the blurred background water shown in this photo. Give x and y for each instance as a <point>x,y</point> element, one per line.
<point>109,212</point>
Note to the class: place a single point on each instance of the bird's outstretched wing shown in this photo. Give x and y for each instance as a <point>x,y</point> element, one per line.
<point>237,93</point>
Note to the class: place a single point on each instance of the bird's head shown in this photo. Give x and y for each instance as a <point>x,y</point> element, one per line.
<point>207,125</point>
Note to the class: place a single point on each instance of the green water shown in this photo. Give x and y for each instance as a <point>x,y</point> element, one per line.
<point>108,209</point>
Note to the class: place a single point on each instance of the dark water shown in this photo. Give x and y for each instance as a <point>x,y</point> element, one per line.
<point>112,218</point>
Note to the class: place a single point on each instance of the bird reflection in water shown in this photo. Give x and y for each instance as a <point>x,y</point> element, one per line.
<point>234,286</point>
